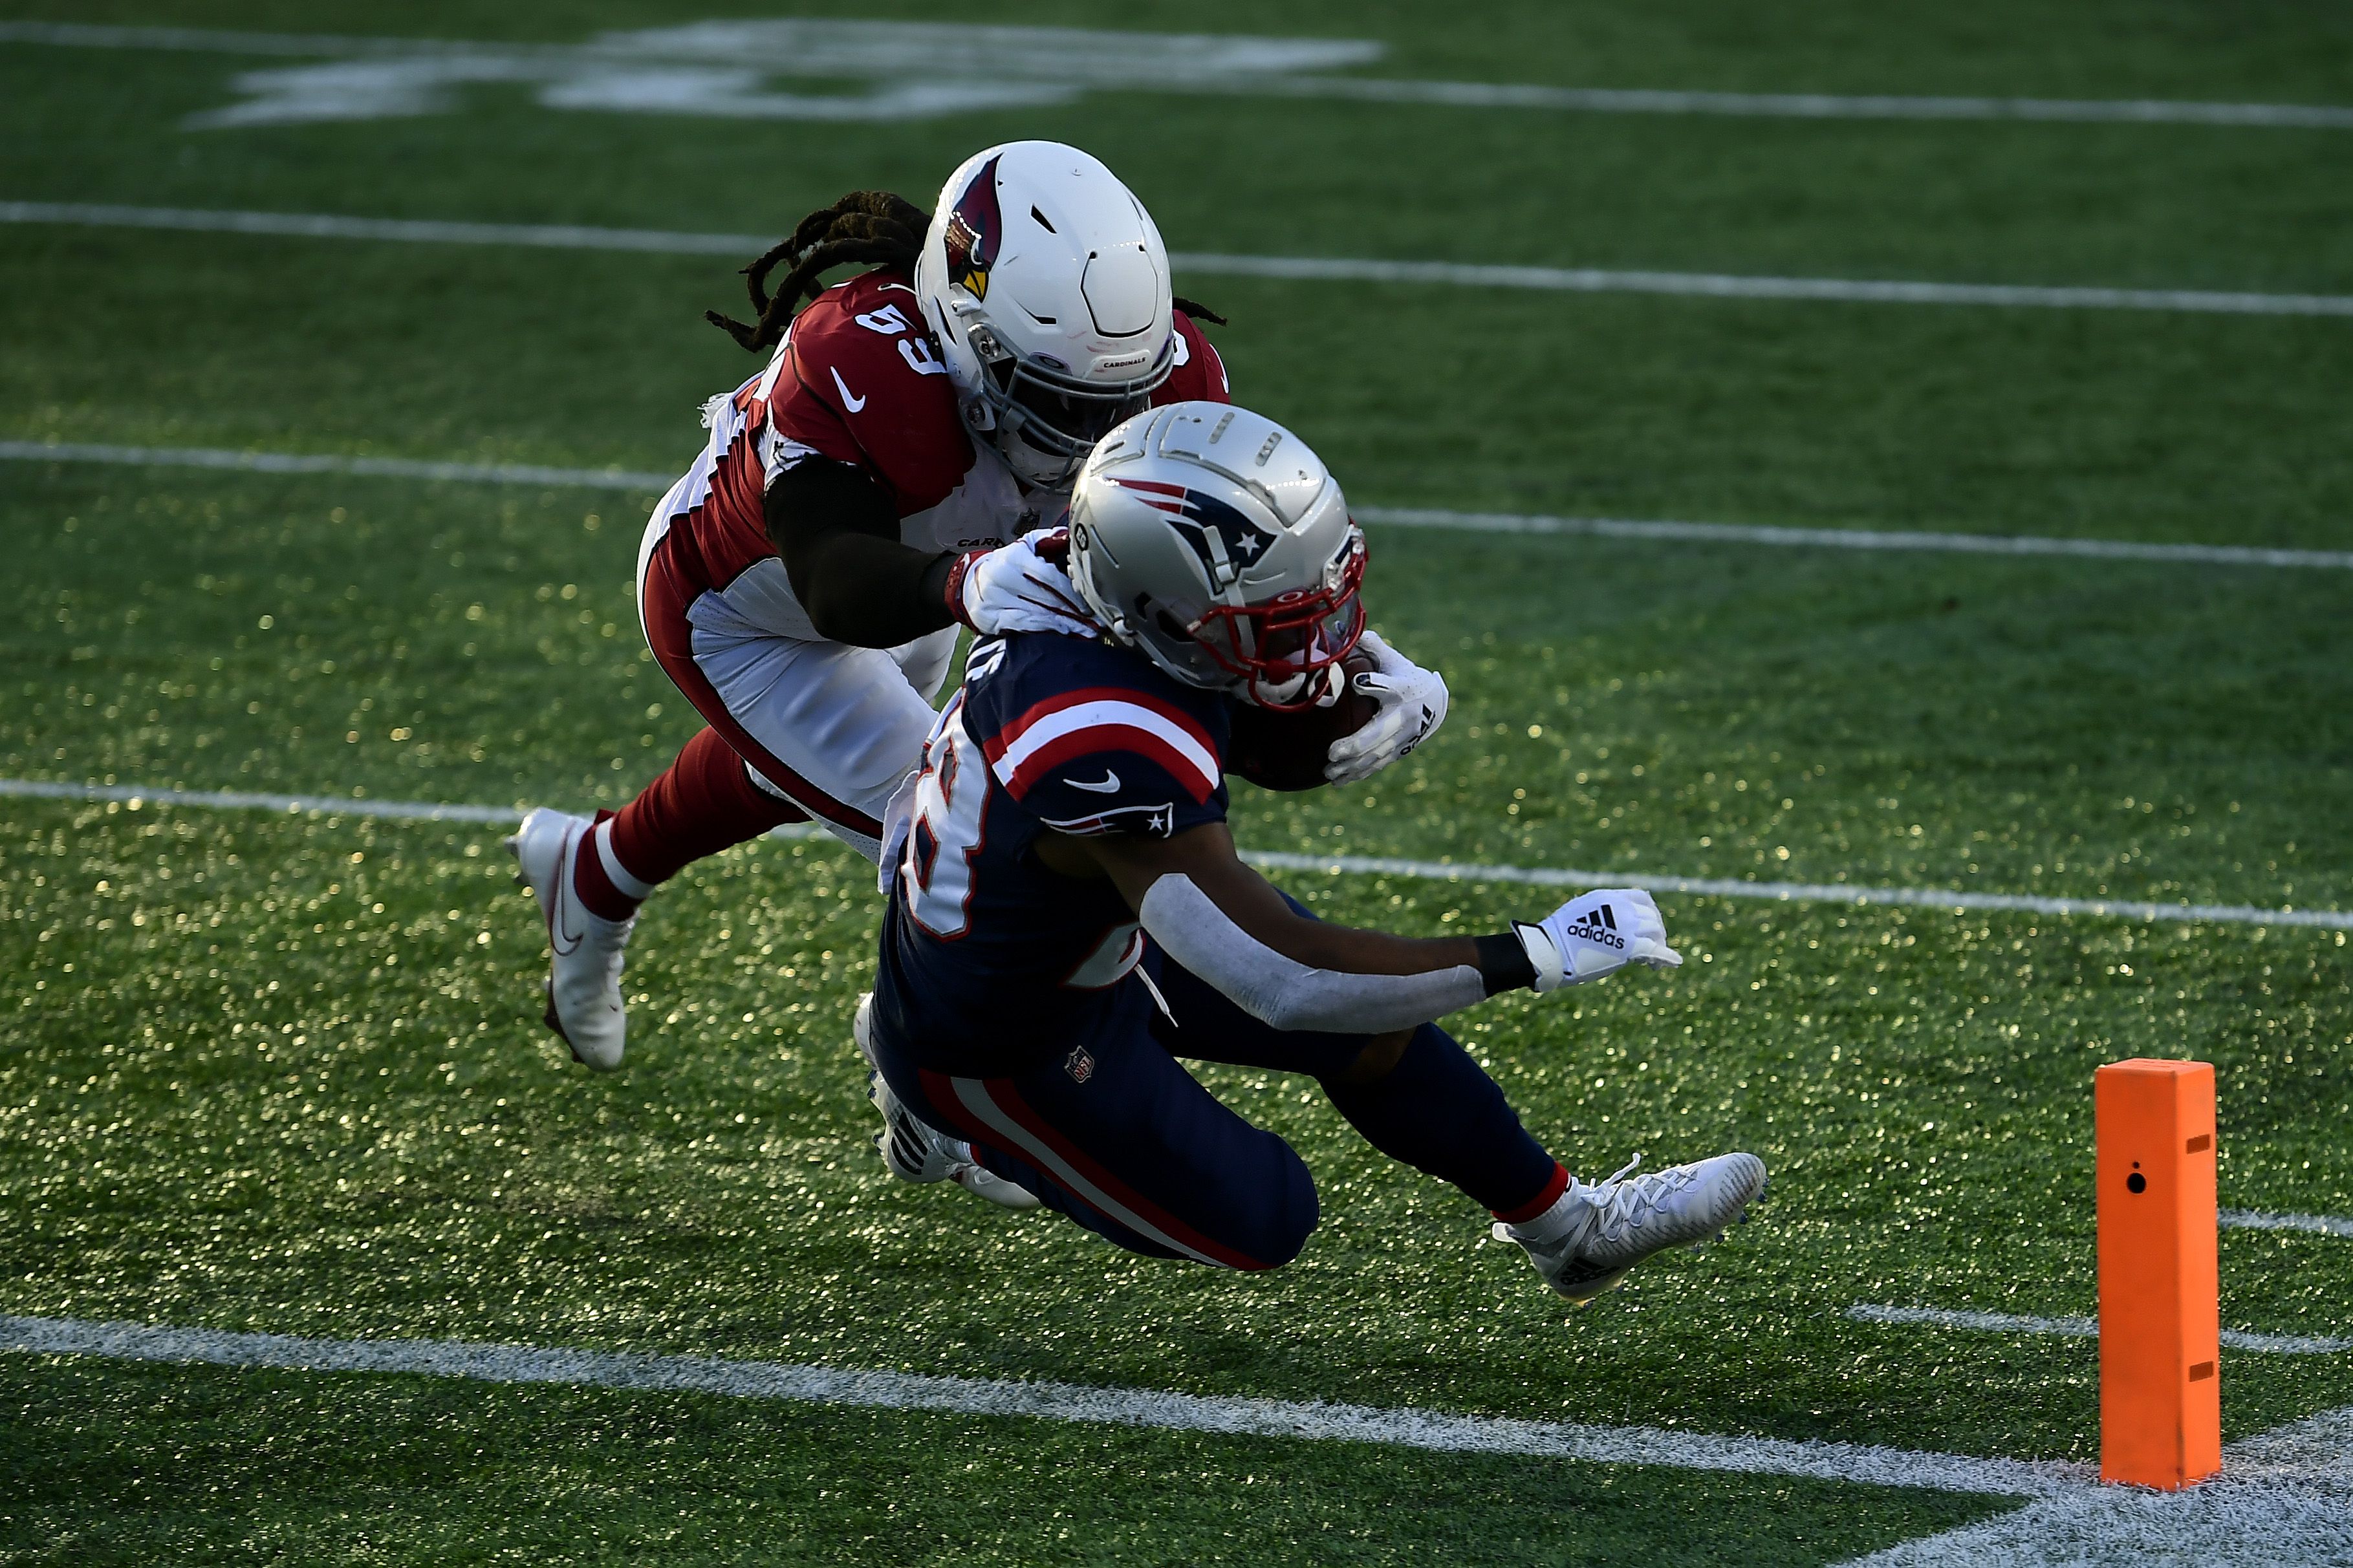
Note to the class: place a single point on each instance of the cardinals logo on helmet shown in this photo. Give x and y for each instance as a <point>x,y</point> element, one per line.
<point>975,226</point>
<point>1226,540</point>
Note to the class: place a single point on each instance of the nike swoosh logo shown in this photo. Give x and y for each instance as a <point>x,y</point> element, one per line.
<point>851,403</point>
<point>1107,784</point>
<point>562,940</point>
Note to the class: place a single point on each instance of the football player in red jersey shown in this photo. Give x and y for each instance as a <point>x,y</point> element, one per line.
<point>863,498</point>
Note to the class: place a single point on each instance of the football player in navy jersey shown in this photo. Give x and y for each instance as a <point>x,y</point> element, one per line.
<point>860,500</point>
<point>1068,915</point>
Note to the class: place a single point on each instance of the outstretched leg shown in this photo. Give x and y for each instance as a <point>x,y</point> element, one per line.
<point>1422,1100</point>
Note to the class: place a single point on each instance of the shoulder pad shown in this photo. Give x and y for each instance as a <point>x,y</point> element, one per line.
<point>1092,738</point>
<point>1200,375</point>
<point>859,362</point>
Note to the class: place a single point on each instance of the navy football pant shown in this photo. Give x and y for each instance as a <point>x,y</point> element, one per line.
<point>1111,1132</point>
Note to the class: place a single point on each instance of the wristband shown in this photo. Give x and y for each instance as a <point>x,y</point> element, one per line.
<point>1504,963</point>
<point>959,567</point>
<point>1543,955</point>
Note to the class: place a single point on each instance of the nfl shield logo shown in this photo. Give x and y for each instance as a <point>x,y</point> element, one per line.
<point>1081,1066</point>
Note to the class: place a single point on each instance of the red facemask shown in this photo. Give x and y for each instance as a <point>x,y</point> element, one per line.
<point>1285,645</point>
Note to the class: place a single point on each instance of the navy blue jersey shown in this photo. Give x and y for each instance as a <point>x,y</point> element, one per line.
<point>987,955</point>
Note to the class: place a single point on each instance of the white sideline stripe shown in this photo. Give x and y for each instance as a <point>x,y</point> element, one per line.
<point>1376,89</point>
<point>1795,105</point>
<point>1427,1430</point>
<point>1849,539</point>
<point>2317,1224</point>
<point>244,799</point>
<point>2085,1328</point>
<point>1576,279</point>
<point>1285,860</point>
<point>1803,892</point>
<point>329,463</point>
<point>1391,516</point>
<point>1746,286</point>
<point>2283,1496</point>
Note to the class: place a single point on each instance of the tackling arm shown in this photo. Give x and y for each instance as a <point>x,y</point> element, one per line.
<point>838,536</point>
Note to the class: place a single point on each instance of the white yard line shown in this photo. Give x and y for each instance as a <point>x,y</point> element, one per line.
<point>1850,538</point>
<point>1282,84</point>
<point>1806,892</point>
<point>653,484</point>
<point>1314,1422</point>
<point>1354,865</point>
<point>2285,1497</point>
<point>2317,1224</point>
<point>1800,105</point>
<point>1571,279</point>
<point>330,463</point>
<point>2083,1327</point>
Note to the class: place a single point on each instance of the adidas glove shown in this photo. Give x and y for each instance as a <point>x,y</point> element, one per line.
<point>1595,934</point>
<point>1412,706</point>
<point>1018,587</point>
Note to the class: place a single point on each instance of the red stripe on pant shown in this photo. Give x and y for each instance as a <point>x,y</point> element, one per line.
<point>941,1090</point>
<point>667,597</point>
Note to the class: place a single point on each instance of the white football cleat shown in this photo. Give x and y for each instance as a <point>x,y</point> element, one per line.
<point>913,1150</point>
<point>584,982</point>
<point>1586,1241</point>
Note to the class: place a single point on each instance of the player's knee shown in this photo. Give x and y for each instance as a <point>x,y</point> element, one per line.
<point>1282,1217</point>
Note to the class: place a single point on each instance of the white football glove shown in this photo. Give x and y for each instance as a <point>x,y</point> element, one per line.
<point>1413,705</point>
<point>1018,588</point>
<point>1595,934</point>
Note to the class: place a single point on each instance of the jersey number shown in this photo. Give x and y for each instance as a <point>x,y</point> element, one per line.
<point>936,869</point>
<point>913,347</point>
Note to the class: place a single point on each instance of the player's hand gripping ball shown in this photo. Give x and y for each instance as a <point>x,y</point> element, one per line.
<point>1293,751</point>
<point>1410,704</point>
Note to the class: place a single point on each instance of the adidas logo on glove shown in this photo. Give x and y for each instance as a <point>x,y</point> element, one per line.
<point>1583,940</point>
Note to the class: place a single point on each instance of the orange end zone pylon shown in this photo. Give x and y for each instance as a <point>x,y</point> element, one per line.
<point>2160,1325</point>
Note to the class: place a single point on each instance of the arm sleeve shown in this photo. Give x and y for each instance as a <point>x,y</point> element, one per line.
<point>1287,995</point>
<point>839,535</point>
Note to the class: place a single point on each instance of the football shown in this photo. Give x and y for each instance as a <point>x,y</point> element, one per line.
<point>1289,751</point>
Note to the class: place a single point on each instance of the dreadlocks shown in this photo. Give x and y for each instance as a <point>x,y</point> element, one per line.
<point>864,226</point>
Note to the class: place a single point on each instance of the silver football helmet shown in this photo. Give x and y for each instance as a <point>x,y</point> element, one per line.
<point>1213,542</point>
<point>1047,285</point>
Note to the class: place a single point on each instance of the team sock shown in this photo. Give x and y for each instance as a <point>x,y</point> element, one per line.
<point>601,882</point>
<point>702,802</point>
<point>1440,1112</point>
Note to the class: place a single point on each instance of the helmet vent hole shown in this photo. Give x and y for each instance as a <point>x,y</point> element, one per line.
<point>1042,222</point>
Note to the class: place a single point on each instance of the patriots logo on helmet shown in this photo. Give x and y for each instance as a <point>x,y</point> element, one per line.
<point>975,226</point>
<point>1224,539</point>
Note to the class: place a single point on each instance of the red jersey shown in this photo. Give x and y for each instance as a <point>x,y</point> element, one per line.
<point>858,379</point>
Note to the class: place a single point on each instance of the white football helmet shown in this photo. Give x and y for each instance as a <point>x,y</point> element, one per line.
<point>1213,542</point>
<point>1047,285</point>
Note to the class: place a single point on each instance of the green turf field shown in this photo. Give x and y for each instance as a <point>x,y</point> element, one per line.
<point>283,1072</point>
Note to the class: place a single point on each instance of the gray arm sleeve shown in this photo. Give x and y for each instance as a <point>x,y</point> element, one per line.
<point>1286,994</point>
